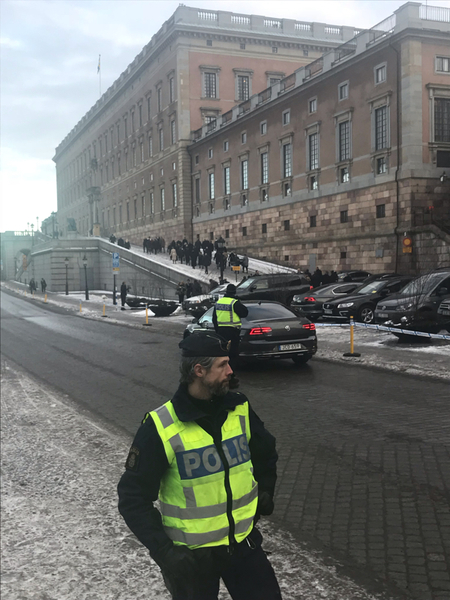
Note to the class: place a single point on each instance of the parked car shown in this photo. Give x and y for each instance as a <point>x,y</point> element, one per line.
<point>279,287</point>
<point>353,275</point>
<point>443,314</point>
<point>197,305</point>
<point>311,302</point>
<point>362,302</point>
<point>415,307</point>
<point>270,331</point>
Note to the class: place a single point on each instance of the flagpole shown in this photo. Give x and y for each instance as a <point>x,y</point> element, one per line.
<point>99,71</point>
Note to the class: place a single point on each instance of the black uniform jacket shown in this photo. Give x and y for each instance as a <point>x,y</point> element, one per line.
<point>138,488</point>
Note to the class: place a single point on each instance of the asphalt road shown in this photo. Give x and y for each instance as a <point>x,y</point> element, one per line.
<point>364,470</point>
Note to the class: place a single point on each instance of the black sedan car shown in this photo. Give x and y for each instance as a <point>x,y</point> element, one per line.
<point>362,302</point>
<point>311,303</point>
<point>270,330</point>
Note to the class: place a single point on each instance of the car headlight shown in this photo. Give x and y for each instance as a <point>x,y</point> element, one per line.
<point>405,306</point>
<point>346,305</point>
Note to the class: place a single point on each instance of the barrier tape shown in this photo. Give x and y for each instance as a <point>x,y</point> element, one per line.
<point>438,336</point>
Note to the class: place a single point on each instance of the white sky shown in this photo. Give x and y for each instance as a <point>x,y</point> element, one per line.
<point>48,58</point>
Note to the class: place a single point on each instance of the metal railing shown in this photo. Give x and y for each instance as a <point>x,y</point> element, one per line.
<point>244,107</point>
<point>287,83</point>
<point>313,68</point>
<point>265,95</point>
<point>435,13</point>
<point>383,29</point>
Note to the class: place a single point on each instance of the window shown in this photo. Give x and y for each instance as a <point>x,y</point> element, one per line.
<point>287,225</point>
<point>161,139</point>
<point>150,146</point>
<point>210,152</point>
<point>264,228</point>
<point>313,147</point>
<point>171,89</point>
<point>119,170</point>
<point>443,64</point>
<point>242,46</point>
<point>344,141</point>
<point>197,190</point>
<point>313,183</point>
<point>152,203</point>
<point>264,167</point>
<point>143,204</point>
<point>197,158</point>
<point>381,211</point>
<point>125,124</point>
<point>106,143</point>
<point>287,160</point>
<point>274,50</point>
<point>305,52</point>
<point>442,119</point>
<point>381,166</point>
<point>118,133</point>
<point>381,131</point>
<point>244,137</point>
<point>211,186</point>
<point>344,254</point>
<point>244,231</point>
<point>172,132</point>
<point>344,216</point>
<point>163,199</point>
<point>227,233</point>
<point>286,189</point>
<point>226,204</point>
<point>243,87</point>
<point>263,127</point>
<point>149,116</point>
<point>210,85</point>
<point>264,195</point>
<point>286,117</point>
<point>159,99</point>
<point>244,174</point>
<point>344,175</point>
<point>274,80</point>
<point>211,208</point>
<point>343,91</point>
<point>135,208</point>
<point>128,211</point>
<point>134,155</point>
<point>174,194</point>
<point>313,221</point>
<point>312,105</point>
<point>209,42</point>
<point>132,121</point>
<point>226,181</point>
<point>380,74</point>
<point>225,146</point>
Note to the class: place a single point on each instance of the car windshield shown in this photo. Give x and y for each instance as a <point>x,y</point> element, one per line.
<point>245,284</point>
<point>371,288</point>
<point>261,312</point>
<point>422,285</point>
<point>322,291</point>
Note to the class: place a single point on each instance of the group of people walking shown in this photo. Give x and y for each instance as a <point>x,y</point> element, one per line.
<point>33,285</point>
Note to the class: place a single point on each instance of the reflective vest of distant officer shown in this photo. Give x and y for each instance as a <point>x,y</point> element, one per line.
<point>227,315</point>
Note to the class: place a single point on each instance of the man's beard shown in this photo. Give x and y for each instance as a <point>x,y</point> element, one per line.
<point>219,389</point>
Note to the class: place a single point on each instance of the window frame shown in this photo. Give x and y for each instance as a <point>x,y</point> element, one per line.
<point>381,67</point>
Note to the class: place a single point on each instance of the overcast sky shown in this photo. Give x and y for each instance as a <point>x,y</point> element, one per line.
<point>49,56</point>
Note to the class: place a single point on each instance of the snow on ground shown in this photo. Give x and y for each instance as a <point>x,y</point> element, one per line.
<point>62,535</point>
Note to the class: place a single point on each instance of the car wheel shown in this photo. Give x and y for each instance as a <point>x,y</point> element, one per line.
<point>302,359</point>
<point>365,314</point>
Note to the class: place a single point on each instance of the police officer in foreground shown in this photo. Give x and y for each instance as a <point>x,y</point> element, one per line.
<point>211,463</point>
<point>227,315</point>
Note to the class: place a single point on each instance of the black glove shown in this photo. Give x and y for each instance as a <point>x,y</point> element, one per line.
<point>265,503</point>
<point>177,561</point>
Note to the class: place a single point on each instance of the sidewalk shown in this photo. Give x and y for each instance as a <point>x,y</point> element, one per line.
<point>62,535</point>
<point>378,349</point>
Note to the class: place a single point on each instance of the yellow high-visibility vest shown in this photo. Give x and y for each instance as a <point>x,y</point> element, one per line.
<point>226,317</point>
<point>206,490</point>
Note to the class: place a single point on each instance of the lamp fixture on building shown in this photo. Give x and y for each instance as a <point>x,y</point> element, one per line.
<point>443,178</point>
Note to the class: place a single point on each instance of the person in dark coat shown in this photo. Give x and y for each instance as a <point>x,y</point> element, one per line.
<point>316,278</point>
<point>123,294</point>
<point>43,285</point>
<point>229,332</point>
<point>181,290</point>
<point>188,288</point>
<point>205,478</point>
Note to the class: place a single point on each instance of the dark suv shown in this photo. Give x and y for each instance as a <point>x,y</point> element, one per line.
<point>279,287</point>
<point>415,307</point>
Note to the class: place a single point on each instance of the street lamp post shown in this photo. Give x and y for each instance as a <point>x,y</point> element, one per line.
<point>66,261</point>
<point>85,260</point>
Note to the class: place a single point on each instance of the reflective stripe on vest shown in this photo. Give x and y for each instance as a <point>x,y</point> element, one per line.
<point>226,317</point>
<point>193,497</point>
